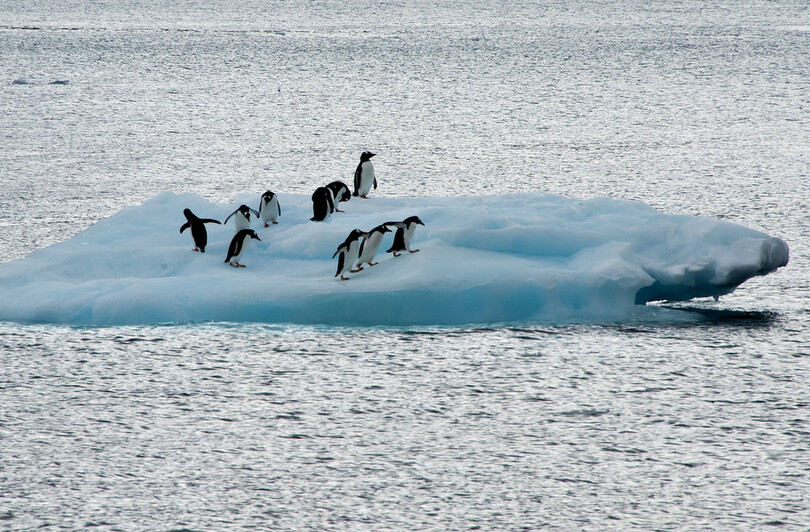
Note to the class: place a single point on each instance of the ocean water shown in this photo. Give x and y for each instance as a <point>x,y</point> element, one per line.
<point>674,421</point>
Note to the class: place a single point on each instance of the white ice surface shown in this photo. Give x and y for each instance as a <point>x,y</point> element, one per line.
<point>525,257</point>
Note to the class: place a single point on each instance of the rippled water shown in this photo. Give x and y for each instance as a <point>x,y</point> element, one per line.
<point>588,427</point>
<point>693,420</point>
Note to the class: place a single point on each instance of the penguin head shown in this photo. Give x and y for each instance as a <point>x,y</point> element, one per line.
<point>268,195</point>
<point>366,155</point>
<point>252,234</point>
<point>188,214</point>
<point>245,210</point>
<point>381,228</point>
<point>357,233</point>
<point>412,220</point>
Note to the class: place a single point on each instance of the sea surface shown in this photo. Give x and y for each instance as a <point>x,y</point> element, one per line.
<point>695,423</point>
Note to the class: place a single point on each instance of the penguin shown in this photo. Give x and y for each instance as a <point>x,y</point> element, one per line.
<point>198,232</point>
<point>370,245</point>
<point>269,209</point>
<point>404,234</point>
<point>242,219</point>
<point>348,254</point>
<point>239,244</point>
<point>364,175</point>
<point>340,193</point>
<point>322,204</point>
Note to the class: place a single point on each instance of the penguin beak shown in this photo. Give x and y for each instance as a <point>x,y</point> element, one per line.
<point>257,238</point>
<point>371,155</point>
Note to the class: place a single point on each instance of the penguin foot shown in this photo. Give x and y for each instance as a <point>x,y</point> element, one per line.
<point>267,224</point>
<point>195,249</point>
<point>363,196</point>
<point>373,263</point>
<point>338,210</point>
<point>242,266</point>
<point>234,264</point>
<point>356,270</point>
<point>396,254</point>
<point>413,250</point>
<point>275,223</point>
<point>342,278</point>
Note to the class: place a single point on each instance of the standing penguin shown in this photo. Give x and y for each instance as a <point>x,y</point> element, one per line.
<point>322,204</point>
<point>364,175</point>
<point>239,245</point>
<point>348,254</point>
<point>404,234</point>
<point>198,232</point>
<point>340,193</point>
<point>269,209</point>
<point>242,217</point>
<point>370,245</point>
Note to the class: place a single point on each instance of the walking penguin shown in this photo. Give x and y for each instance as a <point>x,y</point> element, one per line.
<point>404,234</point>
<point>370,245</point>
<point>242,217</point>
<point>348,254</point>
<point>239,245</point>
<point>269,209</point>
<point>198,232</point>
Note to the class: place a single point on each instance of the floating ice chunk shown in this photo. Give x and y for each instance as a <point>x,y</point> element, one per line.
<point>522,257</point>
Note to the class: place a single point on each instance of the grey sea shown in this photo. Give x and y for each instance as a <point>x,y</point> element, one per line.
<point>695,107</point>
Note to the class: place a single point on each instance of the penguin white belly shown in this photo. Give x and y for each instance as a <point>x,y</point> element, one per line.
<point>269,210</point>
<point>238,256</point>
<point>408,235</point>
<point>370,247</point>
<point>241,222</point>
<point>366,178</point>
<point>350,256</point>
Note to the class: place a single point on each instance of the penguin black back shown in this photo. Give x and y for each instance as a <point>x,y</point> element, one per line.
<point>402,238</point>
<point>198,232</point>
<point>322,204</point>
<point>340,191</point>
<point>238,243</point>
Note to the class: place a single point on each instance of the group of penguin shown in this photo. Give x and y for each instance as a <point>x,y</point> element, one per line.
<point>325,201</point>
<point>352,250</point>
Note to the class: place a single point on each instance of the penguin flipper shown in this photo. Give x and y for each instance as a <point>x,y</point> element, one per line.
<point>375,182</point>
<point>229,216</point>
<point>340,249</point>
<point>399,241</point>
<point>210,221</point>
<point>357,174</point>
<point>255,212</point>
<point>340,264</point>
<point>185,226</point>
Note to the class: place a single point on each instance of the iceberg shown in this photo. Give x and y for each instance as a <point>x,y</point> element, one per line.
<point>529,257</point>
